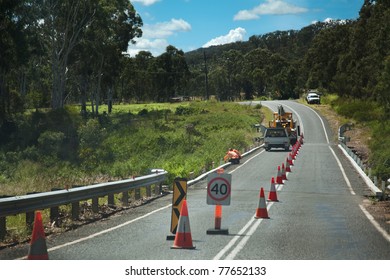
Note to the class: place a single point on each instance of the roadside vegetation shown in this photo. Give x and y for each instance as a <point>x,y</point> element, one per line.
<point>370,132</point>
<point>60,148</point>
<point>372,118</point>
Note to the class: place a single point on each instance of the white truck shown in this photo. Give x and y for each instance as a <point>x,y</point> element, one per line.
<point>276,137</point>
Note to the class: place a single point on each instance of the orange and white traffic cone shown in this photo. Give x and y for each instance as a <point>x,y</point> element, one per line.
<point>38,248</point>
<point>261,211</point>
<point>272,196</point>
<point>183,238</point>
<point>288,168</point>
<point>284,175</point>
<point>279,179</point>
<point>290,159</point>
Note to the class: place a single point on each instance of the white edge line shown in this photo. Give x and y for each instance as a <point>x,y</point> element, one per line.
<point>375,223</point>
<point>103,231</point>
<point>343,172</point>
<point>368,215</point>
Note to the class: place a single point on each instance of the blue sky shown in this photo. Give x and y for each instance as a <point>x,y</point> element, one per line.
<point>192,24</point>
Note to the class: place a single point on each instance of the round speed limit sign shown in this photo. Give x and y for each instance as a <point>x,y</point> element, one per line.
<point>218,189</point>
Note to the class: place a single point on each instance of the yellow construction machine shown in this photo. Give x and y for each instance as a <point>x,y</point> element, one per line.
<point>285,119</point>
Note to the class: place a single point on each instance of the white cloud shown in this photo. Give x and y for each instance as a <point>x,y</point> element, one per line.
<point>270,7</point>
<point>234,35</point>
<point>154,37</point>
<point>165,29</point>
<point>146,2</point>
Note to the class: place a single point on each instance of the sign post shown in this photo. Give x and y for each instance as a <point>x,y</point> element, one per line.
<point>218,194</point>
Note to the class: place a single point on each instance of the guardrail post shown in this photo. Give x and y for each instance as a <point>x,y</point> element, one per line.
<point>54,211</point>
<point>3,229</point>
<point>95,204</point>
<point>383,190</point>
<point>125,198</point>
<point>158,189</point>
<point>137,193</point>
<point>29,220</point>
<point>75,210</point>
<point>149,191</point>
<point>110,200</point>
<point>30,216</point>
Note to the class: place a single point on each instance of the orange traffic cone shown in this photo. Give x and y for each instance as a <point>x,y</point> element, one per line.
<point>288,168</point>
<point>284,176</point>
<point>279,179</point>
<point>38,249</point>
<point>183,238</point>
<point>272,196</point>
<point>290,160</point>
<point>261,211</point>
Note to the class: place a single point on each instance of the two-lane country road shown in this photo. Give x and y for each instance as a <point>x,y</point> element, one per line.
<point>318,215</point>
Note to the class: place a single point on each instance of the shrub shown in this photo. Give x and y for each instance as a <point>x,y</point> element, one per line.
<point>51,143</point>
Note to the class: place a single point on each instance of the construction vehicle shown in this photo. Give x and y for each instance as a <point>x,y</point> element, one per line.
<point>285,119</point>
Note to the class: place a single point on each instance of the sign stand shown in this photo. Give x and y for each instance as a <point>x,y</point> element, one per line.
<point>218,193</point>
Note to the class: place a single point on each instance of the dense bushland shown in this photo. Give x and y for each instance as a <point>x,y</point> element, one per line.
<point>61,148</point>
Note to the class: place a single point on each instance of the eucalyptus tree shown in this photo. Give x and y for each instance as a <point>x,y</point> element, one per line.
<point>17,26</point>
<point>171,67</point>
<point>91,35</point>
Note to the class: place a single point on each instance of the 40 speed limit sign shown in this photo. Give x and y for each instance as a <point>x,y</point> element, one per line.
<point>219,189</point>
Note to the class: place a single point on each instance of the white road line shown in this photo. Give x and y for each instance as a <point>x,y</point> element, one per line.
<point>335,156</point>
<point>343,172</point>
<point>375,223</point>
<point>244,240</point>
<point>323,125</point>
<point>104,231</point>
<point>368,215</point>
<point>247,161</point>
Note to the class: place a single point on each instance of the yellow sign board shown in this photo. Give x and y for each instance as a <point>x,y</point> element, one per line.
<point>179,194</point>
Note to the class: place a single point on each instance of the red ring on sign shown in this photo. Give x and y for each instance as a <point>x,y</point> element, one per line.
<point>227,185</point>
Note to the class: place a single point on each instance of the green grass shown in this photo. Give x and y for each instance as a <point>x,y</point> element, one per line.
<point>61,149</point>
<point>368,114</point>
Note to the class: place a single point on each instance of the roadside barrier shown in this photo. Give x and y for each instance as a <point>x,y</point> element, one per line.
<point>29,203</point>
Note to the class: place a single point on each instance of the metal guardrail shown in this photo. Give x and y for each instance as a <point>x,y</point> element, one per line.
<point>29,203</point>
<point>358,164</point>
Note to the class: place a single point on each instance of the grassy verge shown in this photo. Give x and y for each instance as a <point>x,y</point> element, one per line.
<point>62,149</point>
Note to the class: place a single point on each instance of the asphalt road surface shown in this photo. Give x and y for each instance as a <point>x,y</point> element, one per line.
<point>319,214</point>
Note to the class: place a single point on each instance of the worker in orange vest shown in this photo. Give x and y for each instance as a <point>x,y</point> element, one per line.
<point>232,156</point>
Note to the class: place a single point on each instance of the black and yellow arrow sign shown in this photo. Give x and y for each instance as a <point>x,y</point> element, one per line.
<point>179,194</point>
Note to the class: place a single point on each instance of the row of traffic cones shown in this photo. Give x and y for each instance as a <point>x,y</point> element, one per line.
<point>261,211</point>
<point>183,238</point>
